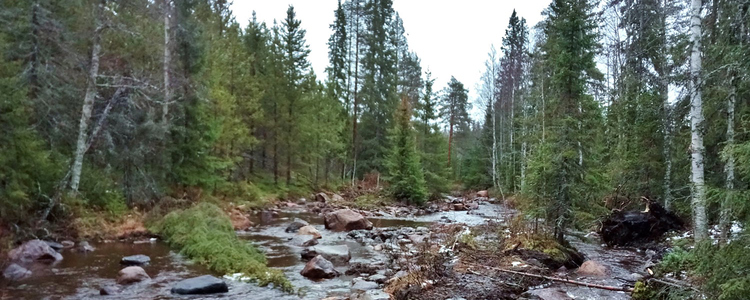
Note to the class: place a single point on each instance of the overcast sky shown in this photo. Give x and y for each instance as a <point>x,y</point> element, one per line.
<point>451,37</point>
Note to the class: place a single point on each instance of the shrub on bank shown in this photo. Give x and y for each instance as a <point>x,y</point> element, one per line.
<point>204,233</point>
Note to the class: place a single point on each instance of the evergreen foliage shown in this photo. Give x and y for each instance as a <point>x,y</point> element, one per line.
<point>404,170</point>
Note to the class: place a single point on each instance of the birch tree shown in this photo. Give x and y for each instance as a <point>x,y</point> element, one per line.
<point>88,101</point>
<point>698,200</point>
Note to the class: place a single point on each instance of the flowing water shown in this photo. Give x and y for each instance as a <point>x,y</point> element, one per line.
<point>81,275</point>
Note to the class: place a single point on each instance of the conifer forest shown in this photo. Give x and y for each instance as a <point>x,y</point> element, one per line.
<point>602,153</point>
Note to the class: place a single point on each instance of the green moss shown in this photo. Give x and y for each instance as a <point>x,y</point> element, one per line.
<point>641,291</point>
<point>204,233</point>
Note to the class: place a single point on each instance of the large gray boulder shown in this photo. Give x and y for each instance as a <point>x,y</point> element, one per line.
<point>34,250</point>
<point>135,260</point>
<point>205,284</point>
<point>319,268</point>
<point>132,275</point>
<point>346,220</point>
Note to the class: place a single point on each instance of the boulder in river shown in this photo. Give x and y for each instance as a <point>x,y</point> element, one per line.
<point>346,220</point>
<point>483,194</point>
<point>34,250</point>
<point>319,268</point>
<point>132,274</point>
<point>360,285</point>
<point>296,225</point>
<point>311,242</point>
<point>55,245</point>
<point>205,284</point>
<point>14,272</point>
<point>592,268</point>
<point>321,197</point>
<point>629,228</point>
<point>135,260</point>
<point>309,230</point>
<point>338,255</point>
<point>67,244</point>
<point>84,246</point>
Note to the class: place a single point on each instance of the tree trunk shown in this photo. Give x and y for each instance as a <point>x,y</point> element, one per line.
<point>356,104</point>
<point>726,212</point>
<point>167,59</point>
<point>34,59</point>
<point>495,181</point>
<point>88,104</point>
<point>450,140</point>
<point>698,201</point>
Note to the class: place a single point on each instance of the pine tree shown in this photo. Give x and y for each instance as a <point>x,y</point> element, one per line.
<point>404,169</point>
<point>378,93</point>
<point>295,65</point>
<point>454,109</point>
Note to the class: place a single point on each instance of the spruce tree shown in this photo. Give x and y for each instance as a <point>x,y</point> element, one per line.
<point>566,176</point>
<point>404,170</point>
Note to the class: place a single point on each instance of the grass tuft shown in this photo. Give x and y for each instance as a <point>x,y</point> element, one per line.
<point>204,233</point>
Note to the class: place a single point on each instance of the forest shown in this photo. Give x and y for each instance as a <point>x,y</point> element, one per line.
<point>147,109</point>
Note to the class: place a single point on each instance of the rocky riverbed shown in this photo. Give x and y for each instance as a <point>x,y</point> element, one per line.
<point>329,258</point>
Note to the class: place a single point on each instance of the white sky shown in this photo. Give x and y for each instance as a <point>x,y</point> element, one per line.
<point>451,37</point>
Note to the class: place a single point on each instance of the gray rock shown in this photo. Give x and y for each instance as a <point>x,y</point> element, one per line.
<point>549,294</point>
<point>310,243</point>
<point>132,274</point>
<point>377,278</point>
<point>205,284</point>
<point>34,250</point>
<point>55,245</point>
<point>67,244</point>
<point>321,197</point>
<point>296,225</point>
<point>135,260</point>
<point>363,285</point>
<point>15,272</point>
<point>85,247</point>
<point>370,295</point>
<point>319,268</point>
<point>337,255</point>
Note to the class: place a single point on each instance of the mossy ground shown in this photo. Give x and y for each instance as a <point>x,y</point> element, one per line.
<point>204,233</point>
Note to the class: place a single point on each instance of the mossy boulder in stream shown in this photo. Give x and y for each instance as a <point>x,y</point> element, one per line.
<point>205,234</point>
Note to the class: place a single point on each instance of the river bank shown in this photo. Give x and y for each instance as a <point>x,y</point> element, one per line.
<point>433,252</point>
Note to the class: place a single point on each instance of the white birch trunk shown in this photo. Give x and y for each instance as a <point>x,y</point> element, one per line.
<point>667,152</point>
<point>698,201</point>
<point>167,59</point>
<point>88,106</point>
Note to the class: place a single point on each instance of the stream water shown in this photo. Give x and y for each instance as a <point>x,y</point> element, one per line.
<point>81,275</point>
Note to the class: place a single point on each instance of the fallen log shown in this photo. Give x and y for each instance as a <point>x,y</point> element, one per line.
<point>558,279</point>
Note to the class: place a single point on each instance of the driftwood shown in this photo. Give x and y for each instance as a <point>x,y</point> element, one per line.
<point>558,279</point>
